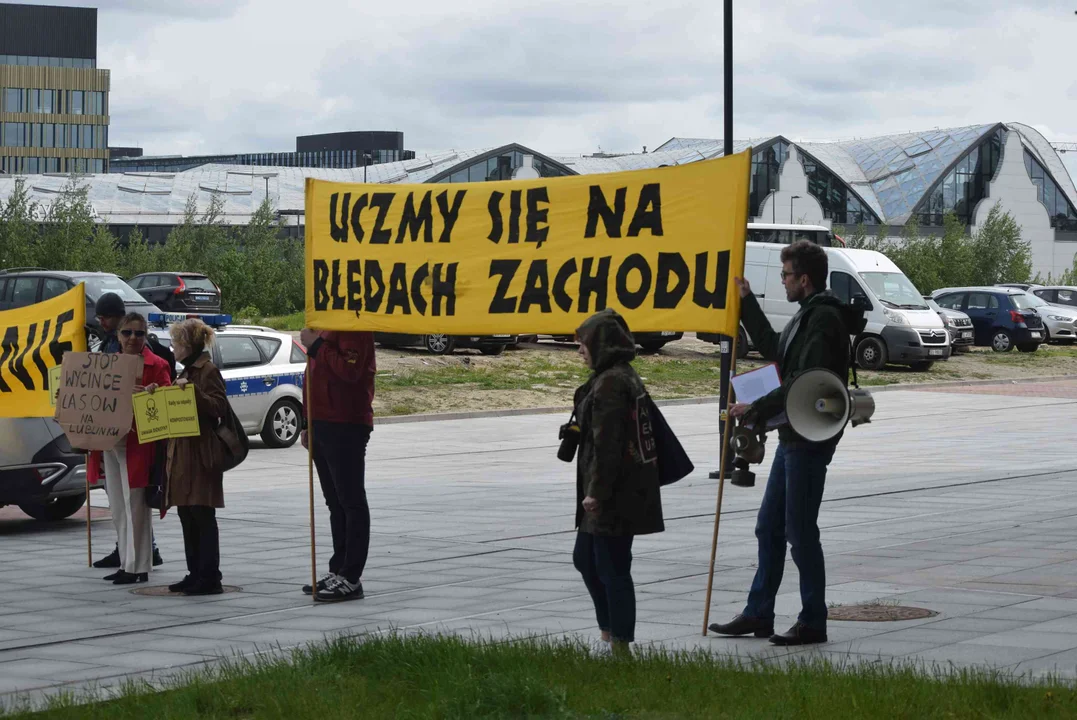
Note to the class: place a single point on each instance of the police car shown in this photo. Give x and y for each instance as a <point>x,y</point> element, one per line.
<point>263,374</point>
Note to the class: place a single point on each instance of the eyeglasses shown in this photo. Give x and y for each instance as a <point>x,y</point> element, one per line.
<point>136,333</point>
<point>786,275</point>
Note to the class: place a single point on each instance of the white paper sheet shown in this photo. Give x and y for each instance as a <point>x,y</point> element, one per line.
<point>752,385</point>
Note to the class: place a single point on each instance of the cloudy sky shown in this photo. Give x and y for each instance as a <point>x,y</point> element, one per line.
<point>204,76</point>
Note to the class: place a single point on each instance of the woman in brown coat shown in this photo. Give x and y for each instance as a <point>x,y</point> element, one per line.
<point>195,480</point>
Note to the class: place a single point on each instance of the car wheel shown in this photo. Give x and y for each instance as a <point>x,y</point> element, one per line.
<point>1001,341</point>
<point>871,353</point>
<point>439,344</point>
<point>1028,348</point>
<point>492,350</point>
<point>652,346</point>
<point>282,424</point>
<point>921,366</point>
<point>54,509</point>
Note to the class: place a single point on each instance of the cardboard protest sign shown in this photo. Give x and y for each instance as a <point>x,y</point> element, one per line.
<point>169,412</point>
<point>530,256</point>
<point>94,404</point>
<point>34,339</point>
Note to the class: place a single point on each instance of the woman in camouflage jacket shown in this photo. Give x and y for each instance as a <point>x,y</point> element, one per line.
<point>617,489</point>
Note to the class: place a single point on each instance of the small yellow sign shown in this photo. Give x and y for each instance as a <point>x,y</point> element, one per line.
<point>170,412</point>
<point>55,376</point>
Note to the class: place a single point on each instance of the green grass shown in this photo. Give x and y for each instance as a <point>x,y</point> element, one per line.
<point>428,677</point>
<point>285,323</point>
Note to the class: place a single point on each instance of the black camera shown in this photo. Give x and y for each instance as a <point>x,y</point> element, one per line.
<point>749,446</point>
<point>569,435</point>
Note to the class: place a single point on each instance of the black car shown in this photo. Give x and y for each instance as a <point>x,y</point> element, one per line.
<point>179,291</point>
<point>444,344</point>
<point>20,287</point>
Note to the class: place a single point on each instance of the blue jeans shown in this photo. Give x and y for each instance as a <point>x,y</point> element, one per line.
<point>605,562</point>
<point>790,512</point>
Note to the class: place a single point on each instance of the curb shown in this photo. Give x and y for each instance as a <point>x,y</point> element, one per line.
<point>705,400</point>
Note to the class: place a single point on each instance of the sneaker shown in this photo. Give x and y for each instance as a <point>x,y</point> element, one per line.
<point>157,561</point>
<point>601,649</point>
<point>340,589</point>
<point>321,583</point>
<point>112,560</point>
<point>182,584</point>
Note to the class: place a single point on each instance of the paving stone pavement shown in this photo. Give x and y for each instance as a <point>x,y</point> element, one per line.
<point>960,502</point>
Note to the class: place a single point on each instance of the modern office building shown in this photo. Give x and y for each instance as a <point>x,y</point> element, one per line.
<point>53,97</point>
<point>889,179</point>
<point>332,150</point>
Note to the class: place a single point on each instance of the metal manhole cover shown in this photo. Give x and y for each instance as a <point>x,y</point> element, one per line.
<point>878,613</point>
<point>162,591</point>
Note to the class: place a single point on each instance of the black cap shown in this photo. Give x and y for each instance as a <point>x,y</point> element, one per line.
<point>110,305</point>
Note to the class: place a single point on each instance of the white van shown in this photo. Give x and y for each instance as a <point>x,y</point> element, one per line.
<point>901,329</point>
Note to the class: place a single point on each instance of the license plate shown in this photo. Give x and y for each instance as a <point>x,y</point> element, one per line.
<point>203,297</point>
<point>966,335</point>
<point>667,333</point>
<point>935,352</point>
<point>1036,336</point>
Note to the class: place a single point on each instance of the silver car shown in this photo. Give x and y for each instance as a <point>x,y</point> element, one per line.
<point>1064,296</point>
<point>1060,323</point>
<point>39,471</point>
<point>957,323</point>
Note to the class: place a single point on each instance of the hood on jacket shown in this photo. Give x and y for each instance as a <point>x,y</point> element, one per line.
<point>608,339</point>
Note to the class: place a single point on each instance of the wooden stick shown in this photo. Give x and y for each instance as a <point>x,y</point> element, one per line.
<point>89,538</point>
<point>721,487</point>
<point>310,472</point>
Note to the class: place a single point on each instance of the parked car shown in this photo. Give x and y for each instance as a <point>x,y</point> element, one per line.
<point>1059,295</point>
<point>1059,323</point>
<point>1019,286</point>
<point>263,374</point>
<point>1002,318</point>
<point>744,343</point>
<point>179,291</point>
<point>39,470</point>
<point>649,341</point>
<point>20,287</point>
<point>957,323</point>
<point>445,344</point>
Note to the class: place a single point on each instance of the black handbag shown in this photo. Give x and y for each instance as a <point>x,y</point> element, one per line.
<point>155,490</point>
<point>673,461</point>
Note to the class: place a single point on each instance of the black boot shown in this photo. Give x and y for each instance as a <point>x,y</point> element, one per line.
<point>112,560</point>
<point>126,578</point>
<point>113,576</point>
<point>157,558</point>
<point>744,625</point>
<point>204,587</point>
<point>183,584</point>
<point>800,634</point>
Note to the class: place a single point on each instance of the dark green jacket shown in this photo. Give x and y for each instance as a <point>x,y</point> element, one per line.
<point>814,338</point>
<point>610,466</point>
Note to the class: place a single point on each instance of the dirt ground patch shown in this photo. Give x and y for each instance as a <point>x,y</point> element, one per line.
<point>546,374</point>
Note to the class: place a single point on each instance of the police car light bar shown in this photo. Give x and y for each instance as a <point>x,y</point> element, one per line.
<point>163,319</point>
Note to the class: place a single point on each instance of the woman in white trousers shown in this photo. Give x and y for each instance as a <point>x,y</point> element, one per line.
<point>128,465</point>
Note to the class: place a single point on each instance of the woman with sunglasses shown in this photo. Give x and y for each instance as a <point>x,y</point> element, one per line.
<point>127,466</point>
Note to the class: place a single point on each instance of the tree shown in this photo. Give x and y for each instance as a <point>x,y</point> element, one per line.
<point>999,254</point>
<point>18,229</point>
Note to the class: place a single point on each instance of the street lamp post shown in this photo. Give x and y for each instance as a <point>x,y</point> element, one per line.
<point>795,197</point>
<point>366,162</point>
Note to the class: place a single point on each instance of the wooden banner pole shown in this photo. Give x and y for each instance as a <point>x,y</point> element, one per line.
<point>310,473</point>
<point>89,538</point>
<point>721,489</point>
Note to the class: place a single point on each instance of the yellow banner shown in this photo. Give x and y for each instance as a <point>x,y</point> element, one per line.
<point>33,341</point>
<point>530,256</point>
<point>170,412</point>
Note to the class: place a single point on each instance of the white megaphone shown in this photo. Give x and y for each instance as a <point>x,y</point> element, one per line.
<point>818,406</point>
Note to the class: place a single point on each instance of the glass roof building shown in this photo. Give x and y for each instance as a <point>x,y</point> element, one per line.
<point>888,179</point>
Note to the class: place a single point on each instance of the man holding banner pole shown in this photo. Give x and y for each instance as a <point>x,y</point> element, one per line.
<point>339,393</point>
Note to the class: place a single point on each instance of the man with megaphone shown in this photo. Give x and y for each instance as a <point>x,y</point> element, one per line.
<point>816,338</point>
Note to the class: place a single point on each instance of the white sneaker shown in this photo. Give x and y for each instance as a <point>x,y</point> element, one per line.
<point>601,649</point>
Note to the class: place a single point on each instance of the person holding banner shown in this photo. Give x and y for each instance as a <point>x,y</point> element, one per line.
<point>816,337</point>
<point>339,393</point>
<point>127,467</point>
<point>195,482</point>
<point>617,484</point>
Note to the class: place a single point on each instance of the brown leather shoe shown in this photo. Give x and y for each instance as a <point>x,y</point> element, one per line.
<point>744,625</point>
<point>800,634</point>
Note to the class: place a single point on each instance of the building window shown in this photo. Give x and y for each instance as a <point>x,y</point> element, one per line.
<point>14,134</point>
<point>766,166</point>
<point>839,204</point>
<point>75,106</point>
<point>12,100</point>
<point>961,189</point>
<point>1062,213</point>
